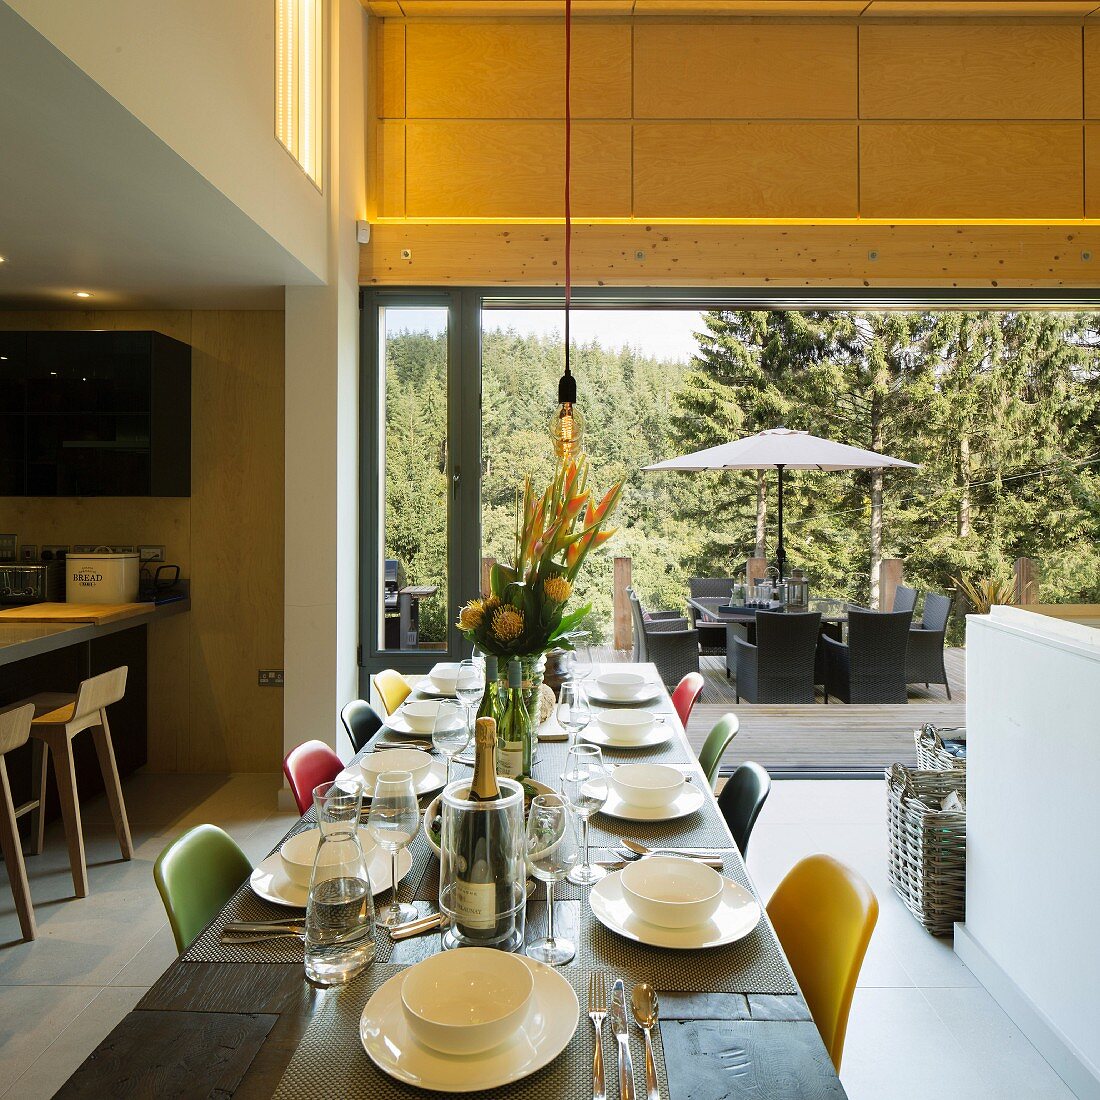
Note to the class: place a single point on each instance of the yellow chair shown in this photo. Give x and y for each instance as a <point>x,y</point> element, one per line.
<point>824,914</point>
<point>393,689</point>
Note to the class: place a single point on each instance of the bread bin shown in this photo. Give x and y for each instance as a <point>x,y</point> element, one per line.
<point>102,577</point>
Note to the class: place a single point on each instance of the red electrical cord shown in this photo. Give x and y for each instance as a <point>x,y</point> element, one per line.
<point>568,135</point>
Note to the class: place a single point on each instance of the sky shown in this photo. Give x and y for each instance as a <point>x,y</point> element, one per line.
<point>661,333</point>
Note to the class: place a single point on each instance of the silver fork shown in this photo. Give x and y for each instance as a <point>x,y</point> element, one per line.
<point>597,1010</point>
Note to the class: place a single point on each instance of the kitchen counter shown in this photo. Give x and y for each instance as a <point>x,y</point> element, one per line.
<point>19,641</point>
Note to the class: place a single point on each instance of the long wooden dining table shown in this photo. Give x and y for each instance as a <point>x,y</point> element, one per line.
<point>243,1021</point>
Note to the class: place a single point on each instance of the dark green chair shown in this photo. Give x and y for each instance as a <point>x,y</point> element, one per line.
<point>742,799</point>
<point>196,875</point>
<point>714,748</point>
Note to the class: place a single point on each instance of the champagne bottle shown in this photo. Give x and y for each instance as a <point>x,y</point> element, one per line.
<point>488,708</point>
<point>514,739</point>
<point>482,899</point>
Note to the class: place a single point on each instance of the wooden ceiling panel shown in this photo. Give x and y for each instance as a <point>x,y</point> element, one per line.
<point>511,9</point>
<point>997,9</point>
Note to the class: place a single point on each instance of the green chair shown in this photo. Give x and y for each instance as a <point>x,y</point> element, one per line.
<point>196,875</point>
<point>714,748</point>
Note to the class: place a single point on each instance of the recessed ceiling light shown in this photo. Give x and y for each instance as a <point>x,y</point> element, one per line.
<point>82,294</point>
<point>2,259</point>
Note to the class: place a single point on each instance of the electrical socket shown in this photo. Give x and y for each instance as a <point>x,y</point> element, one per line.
<point>151,553</point>
<point>271,677</point>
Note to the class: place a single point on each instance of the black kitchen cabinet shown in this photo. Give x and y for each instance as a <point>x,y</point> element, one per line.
<point>94,414</point>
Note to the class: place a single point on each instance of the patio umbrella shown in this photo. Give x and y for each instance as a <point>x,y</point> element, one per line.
<point>781,449</point>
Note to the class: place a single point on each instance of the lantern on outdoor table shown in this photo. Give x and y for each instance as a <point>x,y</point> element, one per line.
<point>798,591</point>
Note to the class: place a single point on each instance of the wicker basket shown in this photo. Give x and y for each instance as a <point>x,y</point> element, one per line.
<point>931,755</point>
<point>927,864</point>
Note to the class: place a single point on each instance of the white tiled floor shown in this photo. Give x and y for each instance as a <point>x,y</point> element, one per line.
<point>921,1025</point>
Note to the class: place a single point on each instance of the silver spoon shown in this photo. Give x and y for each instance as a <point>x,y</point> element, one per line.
<point>644,1002</point>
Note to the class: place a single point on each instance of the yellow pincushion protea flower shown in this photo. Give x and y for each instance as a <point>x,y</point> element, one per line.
<point>557,589</point>
<point>472,615</point>
<point>507,624</point>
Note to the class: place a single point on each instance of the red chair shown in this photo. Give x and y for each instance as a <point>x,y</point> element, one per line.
<point>309,766</point>
<point>686,693</point>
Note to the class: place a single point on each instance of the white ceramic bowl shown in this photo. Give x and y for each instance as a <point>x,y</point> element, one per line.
<point>421,714</point>
<point>445,676</point>
<point>628,726</point>
<point>620,685</point>
<point>467,1001</point>
<point>672,891</point>
<point>395,760</point>
<point>652,785</point>
<point>299,851</point>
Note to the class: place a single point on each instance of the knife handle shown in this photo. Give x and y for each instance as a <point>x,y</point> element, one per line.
<point>626,1070</point>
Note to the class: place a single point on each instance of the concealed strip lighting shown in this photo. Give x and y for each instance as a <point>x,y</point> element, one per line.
<point>299,85</point>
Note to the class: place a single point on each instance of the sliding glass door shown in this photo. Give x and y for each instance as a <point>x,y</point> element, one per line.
<point>419,462</point>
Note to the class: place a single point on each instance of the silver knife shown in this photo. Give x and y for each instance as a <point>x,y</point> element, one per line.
<point>619,1025</point>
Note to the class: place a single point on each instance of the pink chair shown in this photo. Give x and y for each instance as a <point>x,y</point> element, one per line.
<point>309,766</point>
<point>685,695</point>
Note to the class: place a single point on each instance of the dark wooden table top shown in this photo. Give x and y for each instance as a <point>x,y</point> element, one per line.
<point>831,610</point>
<point>230,1029</point>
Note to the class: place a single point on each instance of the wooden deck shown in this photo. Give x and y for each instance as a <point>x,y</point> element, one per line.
<point>833,741</point>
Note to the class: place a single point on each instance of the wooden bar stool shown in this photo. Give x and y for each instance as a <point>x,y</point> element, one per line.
<point>58,719</point>
<point>15,730</point>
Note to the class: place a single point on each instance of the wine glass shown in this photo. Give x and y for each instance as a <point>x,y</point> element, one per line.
<point>551,852</point>
<point>469,689</point>
<point>581,666</point>
<point>392,821</point>
<point>450,733</point>
<point>585,784</point>
<point>573,712</point>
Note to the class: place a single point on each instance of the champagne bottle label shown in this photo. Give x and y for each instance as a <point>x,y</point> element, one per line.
<point>475,904</point>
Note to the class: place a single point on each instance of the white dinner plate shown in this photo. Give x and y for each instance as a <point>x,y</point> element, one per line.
<point>433,781</point>
<point>601,735</point>
<point>738,913</point>
<point>271,882</point>
<point>646,693</point>
<point>686,802</point>
<point>550,1024</point>
<point>398,723</point>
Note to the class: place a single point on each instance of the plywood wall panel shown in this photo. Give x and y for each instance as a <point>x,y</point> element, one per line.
<point>390,65</point>
<point>734,255</point>
<point>1092,71</point>
<point>389,168</point>
<point>237,531</point>
<point>516,70</point>
<point>971,170</point>
<point>745,170</point>
<point>1092,171</point>
<point>512,169</point>
<point>964,72</point>
<point>744,70</point>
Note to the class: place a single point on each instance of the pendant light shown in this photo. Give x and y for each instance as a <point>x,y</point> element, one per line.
<point>567,423</point>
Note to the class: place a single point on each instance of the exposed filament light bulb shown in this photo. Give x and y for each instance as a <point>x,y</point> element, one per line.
<point>567,424</point>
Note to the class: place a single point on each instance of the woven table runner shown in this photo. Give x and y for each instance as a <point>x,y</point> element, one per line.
<point>330,1060</point>
<point>244,905</point>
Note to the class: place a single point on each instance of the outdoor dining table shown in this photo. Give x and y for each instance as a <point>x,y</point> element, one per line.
<point>242,1020</point>
<point>717,609</point>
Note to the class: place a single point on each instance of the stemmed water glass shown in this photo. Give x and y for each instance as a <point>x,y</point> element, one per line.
<point>392,821</point>
<point>585,784</point>
<point>573,712</point>
<point>551,852</point>
<point>450,733</point>
<point>581,665</point>
<point>469,689</point>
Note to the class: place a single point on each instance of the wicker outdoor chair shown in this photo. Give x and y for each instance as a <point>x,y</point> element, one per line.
<point>905,599</point>
<point>712,636</point>
<point>664,638</point>
<point>924,660</point>
<point>871,667</point>
<point>780,667</point>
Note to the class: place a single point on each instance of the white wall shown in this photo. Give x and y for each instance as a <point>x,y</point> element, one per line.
<point>322,417</point>
<point>1033,830</point>
<point>200,74</point>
